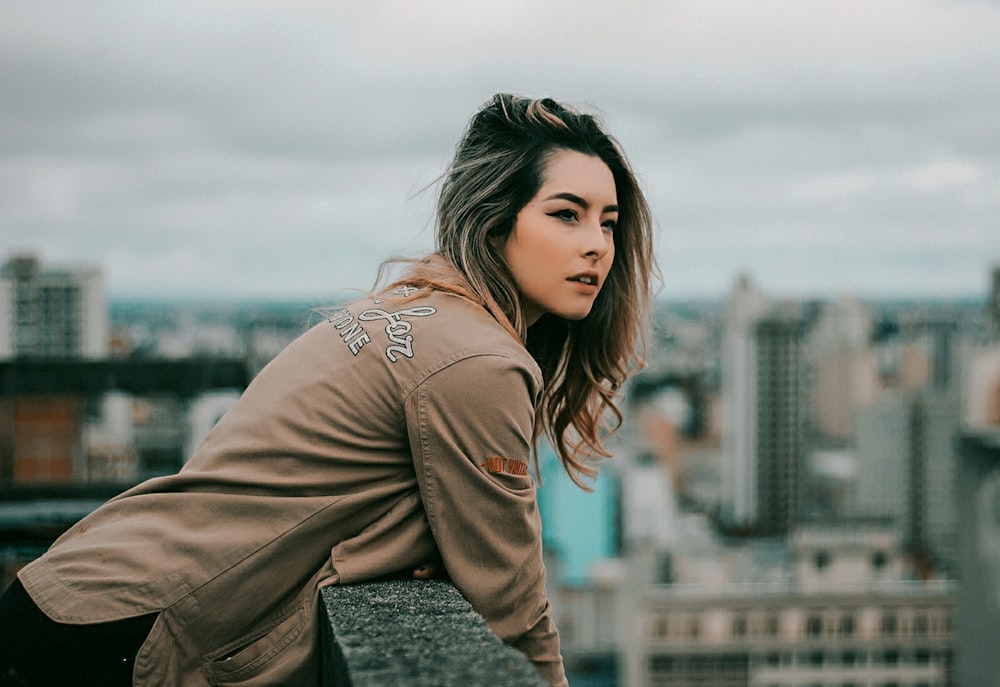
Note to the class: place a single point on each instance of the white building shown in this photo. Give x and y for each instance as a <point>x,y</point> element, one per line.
<point>739,374</point>
<point>52,312</point>
<point>840,610</point>
<point>845,367</point>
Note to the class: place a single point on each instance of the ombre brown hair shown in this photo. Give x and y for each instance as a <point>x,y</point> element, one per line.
<point>498,168</point>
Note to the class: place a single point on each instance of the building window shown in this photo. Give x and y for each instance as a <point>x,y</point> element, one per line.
<point>814,626</point>
<point>661,664</point>
<point>846,627</point>
<point>889,623</point>
<point>740,625</point>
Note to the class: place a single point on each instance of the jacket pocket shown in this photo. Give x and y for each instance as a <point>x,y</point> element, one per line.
<point>250,656</point>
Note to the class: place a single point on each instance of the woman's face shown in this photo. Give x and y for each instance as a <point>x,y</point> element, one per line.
<point>562,245</point>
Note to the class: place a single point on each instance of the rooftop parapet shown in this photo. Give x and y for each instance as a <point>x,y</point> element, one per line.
<point>410,633</point>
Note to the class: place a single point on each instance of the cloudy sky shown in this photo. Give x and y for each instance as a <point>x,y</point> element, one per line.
<point>281,148</point>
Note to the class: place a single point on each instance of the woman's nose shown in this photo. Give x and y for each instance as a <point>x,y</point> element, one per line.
<point>597,241</point>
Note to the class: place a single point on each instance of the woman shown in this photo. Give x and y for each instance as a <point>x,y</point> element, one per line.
<point>395,433</point>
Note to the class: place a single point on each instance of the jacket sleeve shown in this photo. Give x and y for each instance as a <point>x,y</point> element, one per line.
<point>470,427</point>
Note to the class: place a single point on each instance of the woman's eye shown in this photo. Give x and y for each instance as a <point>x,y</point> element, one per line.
<point>567,215</point>
<point>610,225</point>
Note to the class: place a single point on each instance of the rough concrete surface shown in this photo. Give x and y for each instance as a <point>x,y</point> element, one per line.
<point>415,634</point>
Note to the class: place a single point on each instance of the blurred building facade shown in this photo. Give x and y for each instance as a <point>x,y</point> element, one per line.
<point>831,604</point>
<point>52,311</point>
<point>739,374</point>
<point>787,504</point>
<point>81,420</point>
<point>780,422</point>
<point>860,583</point>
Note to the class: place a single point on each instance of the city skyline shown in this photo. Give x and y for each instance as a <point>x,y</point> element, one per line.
<point>281,150</point>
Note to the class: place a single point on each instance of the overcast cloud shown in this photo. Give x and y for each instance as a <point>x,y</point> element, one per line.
<point>270,149</point>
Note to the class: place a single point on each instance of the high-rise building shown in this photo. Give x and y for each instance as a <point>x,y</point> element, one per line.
<point>845,368</point>
<point>780,445</point>
<point>906,467</point>
<point>763,384</point>
<point>882,451</point>
<point>51,312</point>
<point>932,522</point>
<point>739,373</point>
<point>981,388</point>
<point>981,369</point>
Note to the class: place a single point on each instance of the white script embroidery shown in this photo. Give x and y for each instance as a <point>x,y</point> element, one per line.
<point>398,329</point>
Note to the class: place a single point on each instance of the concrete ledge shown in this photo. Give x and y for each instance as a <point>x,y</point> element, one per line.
<point>411,633</point>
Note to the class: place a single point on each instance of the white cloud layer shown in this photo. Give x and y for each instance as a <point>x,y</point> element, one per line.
<point>270,149</point>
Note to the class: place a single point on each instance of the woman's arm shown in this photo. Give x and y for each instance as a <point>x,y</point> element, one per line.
<point>470,427</point>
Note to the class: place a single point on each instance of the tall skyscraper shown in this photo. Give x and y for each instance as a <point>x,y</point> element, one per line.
<point>906,459</point>
<point>845,372</point>
<point>882,443</point>
<point>50,312</point>
<point>933,474</point>
<point>763,388</point>
<point>739,373</point>
<point>780,445</point>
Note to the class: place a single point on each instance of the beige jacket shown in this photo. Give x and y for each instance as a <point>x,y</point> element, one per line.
<point>389,433</point>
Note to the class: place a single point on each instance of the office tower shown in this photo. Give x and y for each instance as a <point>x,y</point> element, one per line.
<point>780,440</point>
<point>739,393</point>
<point>882,441</point>
<point>935,423</point>
<point>932,524</point>
<point>845,369</point>
<point>50,312</point>
<point>906,459</point>
<point>981,387</point>
<point>906,466</point>
<point>981,370</point>
<point>939,334</point>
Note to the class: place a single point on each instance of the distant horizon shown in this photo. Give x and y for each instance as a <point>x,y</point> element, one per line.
<point>312,301</point>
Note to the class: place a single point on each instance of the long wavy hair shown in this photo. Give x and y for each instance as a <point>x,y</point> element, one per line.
<point>497,169</point>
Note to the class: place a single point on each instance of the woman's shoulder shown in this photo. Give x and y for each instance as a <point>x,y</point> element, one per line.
<point>429,325</point>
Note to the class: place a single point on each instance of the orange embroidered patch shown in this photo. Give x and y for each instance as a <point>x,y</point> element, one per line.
<point>499,466</point>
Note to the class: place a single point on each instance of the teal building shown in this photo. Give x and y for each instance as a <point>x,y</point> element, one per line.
<point>579,527</point>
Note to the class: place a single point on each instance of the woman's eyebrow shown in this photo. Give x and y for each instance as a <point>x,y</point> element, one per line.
<point>582,202</point>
